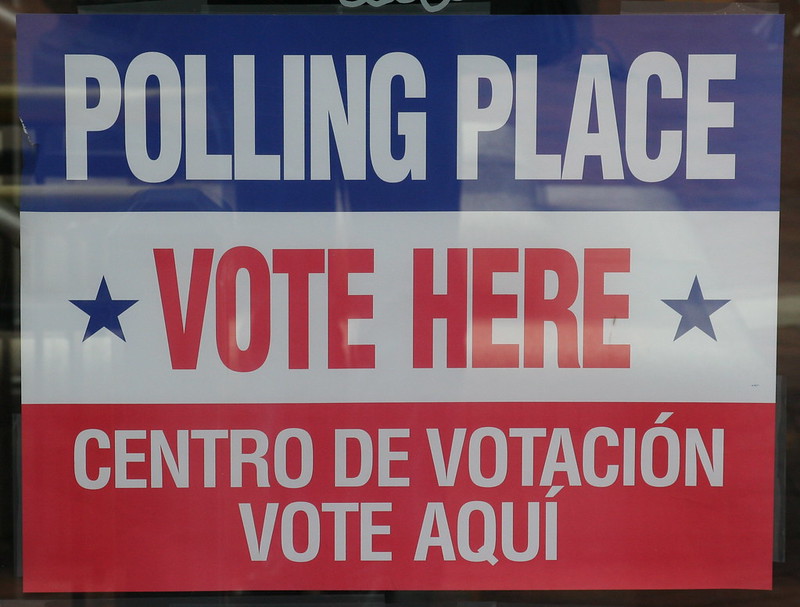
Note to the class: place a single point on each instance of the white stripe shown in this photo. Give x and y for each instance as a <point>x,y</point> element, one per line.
<point>733,254</point>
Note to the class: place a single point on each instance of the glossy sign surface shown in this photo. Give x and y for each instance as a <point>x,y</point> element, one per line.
<point>475,303</point>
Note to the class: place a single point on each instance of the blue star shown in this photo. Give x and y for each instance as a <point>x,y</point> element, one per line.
<point>103,311</point>
<point>695,311</point>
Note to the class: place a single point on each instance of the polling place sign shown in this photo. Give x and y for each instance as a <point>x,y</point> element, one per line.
<point>398,303</point>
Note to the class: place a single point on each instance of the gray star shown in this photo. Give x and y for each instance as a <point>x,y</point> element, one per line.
<point>695,311</point>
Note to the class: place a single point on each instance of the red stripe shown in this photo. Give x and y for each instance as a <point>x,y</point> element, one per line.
<point>169,539</point>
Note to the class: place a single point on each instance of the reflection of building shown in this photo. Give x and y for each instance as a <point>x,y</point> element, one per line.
<point>474,196</point>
